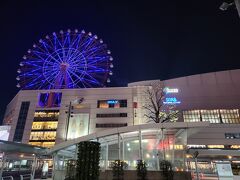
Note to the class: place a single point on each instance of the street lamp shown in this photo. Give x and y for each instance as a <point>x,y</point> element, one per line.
<point>225,6</point>
<point>69,114</point>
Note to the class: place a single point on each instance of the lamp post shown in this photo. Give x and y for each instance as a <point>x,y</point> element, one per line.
<point>69,114</point>
<point>237,3</point>
<point>224,6</point>
<point>195,155</point>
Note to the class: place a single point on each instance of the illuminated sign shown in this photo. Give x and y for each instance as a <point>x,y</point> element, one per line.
<point>168,90</point>
<point>171,100</point>
<point>112,101</point>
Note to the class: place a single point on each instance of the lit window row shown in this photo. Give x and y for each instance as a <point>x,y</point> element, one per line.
<point>43,144</point>
<point>44,125</point>
<point>214,146</point>
<point>46,113</point>
<point>212,116</point>
<point>41,136</point>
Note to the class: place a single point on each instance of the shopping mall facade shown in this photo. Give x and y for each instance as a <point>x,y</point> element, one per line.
<point>208,122</point>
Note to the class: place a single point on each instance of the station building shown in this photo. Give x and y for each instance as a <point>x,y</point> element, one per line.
<point>208,121</point>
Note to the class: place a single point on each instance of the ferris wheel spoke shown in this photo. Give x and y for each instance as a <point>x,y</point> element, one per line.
<point>70,77</point>
<point>95,67</point>
<point>34,82</point>
<point>57,41</point>
<point>40,54</point>
<point>91,79</point>
<point>52,79</point>
<point>31,64</point>
<point>65,40</point>
<point>50,74</point>
<point>76,41</point>
<point>46,46</point>
<point>74,54</point>
<point>93,48</point>
<point>78,58</point>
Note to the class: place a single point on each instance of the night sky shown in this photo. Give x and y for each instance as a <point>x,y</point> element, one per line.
<point>148,39</point>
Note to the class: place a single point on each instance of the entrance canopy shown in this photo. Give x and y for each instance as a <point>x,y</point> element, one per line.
<point>8,147</point>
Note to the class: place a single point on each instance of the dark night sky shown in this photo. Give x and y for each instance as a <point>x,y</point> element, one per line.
<point>148,39</point>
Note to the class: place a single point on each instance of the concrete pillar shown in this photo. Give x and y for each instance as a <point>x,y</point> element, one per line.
<point>3,163</point>
<point>173,150</point>
<point>140,145</point>
<point>106,157</point>
<point>34,165</point>
<point>55,165</point>
<point>123,152</point>
<point>119,147</point>
<point>76,153</point>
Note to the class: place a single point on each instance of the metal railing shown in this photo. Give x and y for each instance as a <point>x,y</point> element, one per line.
<point>26,176</point>
<point>7,178</point>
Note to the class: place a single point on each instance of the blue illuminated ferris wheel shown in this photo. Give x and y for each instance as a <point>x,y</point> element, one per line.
<point>68,59</point>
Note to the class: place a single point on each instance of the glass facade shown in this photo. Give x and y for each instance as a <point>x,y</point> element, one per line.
<point>228,116</point>
<point>21,121</point>
<point>151,145</point>
<point>211,116</point>
<point>191,116</point>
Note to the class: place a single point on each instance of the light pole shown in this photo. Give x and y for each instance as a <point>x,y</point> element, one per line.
<point>69,114</point>
<point>237,3</point>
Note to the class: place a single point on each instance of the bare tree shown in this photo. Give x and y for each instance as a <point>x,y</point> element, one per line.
<point>157,111</point>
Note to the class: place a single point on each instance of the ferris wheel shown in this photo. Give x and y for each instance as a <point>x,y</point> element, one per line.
<point>68,59</point>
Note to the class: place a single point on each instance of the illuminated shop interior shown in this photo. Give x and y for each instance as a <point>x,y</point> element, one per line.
<point>44,128</point>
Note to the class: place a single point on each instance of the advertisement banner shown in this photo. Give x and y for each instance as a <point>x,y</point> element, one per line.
<point>78,125</point>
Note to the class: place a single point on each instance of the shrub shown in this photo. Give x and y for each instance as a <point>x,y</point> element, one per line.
<point>141,170</point>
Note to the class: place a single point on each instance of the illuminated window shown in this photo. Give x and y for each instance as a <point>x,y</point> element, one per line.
<point>215,146</point>
<point>191,116</point>
<point>232,135</point>
<point>230,115</point>
<point>178,147</point>
<point>44,125</point>
<point>111,103</point>
<point>210,115</point>
<point>46,115</point>
<point>235,146</point>
<point>43,144</point>
<point>42,136</point>
<point>196,146</point>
